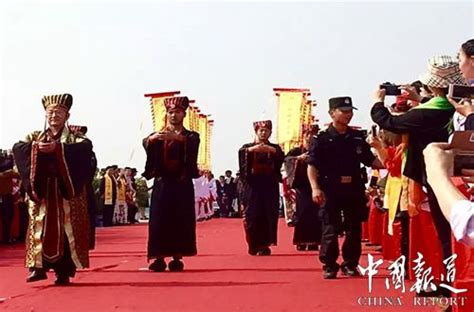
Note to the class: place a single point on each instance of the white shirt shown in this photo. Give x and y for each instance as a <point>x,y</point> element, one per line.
<point>462,222</point>
<point>212,188</point>
<point>201,187</point>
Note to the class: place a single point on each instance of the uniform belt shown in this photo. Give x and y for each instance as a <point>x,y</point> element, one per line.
<point>343,179</point>
<point>346,179</point>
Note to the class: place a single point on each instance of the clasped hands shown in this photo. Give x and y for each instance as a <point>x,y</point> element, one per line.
<point>43,147</point>
<point>166,136</point>
<point>262,148</point>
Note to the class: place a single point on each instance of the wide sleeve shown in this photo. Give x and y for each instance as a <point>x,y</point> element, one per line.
<point>408,122</point>
<point>151,165</point>
<point>244,162</point>
<point>192,148</point>
<point>76,165</point>
<point>22,152</point>
<point>279,158</point>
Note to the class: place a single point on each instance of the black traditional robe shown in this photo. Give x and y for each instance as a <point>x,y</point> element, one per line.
<point>57,185</point>
<point>260,174</point>
<point>307,223</point>
<point>172,226</point>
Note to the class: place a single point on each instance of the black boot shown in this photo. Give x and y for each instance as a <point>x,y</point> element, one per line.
<point>159,265</point>
<point>330,271</point>
<point>301,247</point>
<point>62,279</point>
<point>264,252</point>
<point>36,275</point>
<point>176,265</point>
<point>350,271</point>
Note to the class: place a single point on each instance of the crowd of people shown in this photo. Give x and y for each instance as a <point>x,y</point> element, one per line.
<point>326,187</point>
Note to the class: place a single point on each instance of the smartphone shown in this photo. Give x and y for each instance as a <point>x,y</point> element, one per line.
<point>391,89</point>
<point>463,145</point>
<point>461,92</point>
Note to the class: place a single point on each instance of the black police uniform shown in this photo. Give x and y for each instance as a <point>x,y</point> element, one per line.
<point>338,159</point>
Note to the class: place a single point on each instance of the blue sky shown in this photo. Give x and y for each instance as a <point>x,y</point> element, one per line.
<point>228,56</point>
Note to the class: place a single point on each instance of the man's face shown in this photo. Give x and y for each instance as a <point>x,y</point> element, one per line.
<point>341,116</point>
<point>307,140</point>
<point>228,174</point>
<point>56,116</point>
<point>175,116</point>
<point>263,133</point>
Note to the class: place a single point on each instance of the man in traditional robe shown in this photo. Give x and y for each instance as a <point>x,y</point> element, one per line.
<point>307,234</point>
<point>260,163</point>
<point>108,193</point>
<point>172,162</point>
<point>55,166</point>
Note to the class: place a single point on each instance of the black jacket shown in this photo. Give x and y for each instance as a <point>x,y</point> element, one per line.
<point>424,126</point>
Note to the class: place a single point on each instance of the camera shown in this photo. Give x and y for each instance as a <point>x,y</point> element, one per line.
<point>463,144</point>
<point>391,89</point>
<point>461,92</point>
<point>373,130</point>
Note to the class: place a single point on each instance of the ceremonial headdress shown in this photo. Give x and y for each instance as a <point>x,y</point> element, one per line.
<point>59,100</point>
<point>262,124</point>
<point>181,102</point>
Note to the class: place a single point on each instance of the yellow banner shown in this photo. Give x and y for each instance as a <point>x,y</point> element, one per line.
<point>294,113</point>
<point>289,116</point>
<point>158,111</point>
<point>202,155</point>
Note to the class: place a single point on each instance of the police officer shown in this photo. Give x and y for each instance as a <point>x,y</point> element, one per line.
<point>334,171</point>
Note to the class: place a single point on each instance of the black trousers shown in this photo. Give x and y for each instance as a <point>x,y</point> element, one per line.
<point>108,215</point>
<point>441,224</point>
<point>132,211</point>
<point>341,213</point>
<point>6,212</point>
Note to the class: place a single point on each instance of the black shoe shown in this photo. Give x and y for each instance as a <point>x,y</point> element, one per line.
<point>301,247</point>
<point>159,265</point>
<point>350,271</point>
<point>313,247</point>
<point>264,252</point>
<point>36,275</point>
<point>330,272</point>
<point>176,265</point>
<point>252,251</point>
<point>62,280</point>
<point>291,223</point>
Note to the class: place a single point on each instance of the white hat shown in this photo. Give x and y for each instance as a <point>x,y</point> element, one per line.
<point>442,71</point>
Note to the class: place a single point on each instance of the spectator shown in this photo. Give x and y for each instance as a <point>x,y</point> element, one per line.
<point>426,123</point>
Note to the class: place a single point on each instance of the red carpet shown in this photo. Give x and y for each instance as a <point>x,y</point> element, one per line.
<point>221,278</point>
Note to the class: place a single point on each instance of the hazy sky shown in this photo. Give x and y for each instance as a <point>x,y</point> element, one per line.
<point>227,56</point>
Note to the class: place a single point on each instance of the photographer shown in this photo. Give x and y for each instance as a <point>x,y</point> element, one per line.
<point>457,209</point>
<point>426,123</point>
